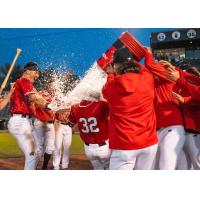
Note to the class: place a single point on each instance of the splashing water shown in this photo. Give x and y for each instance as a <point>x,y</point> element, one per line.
<point>91,83</point>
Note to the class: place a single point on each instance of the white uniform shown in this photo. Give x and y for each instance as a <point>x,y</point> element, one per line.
<point>139,159</point>
<point>184,162</point>
<point>21,128</point>
<point>63,137</point>
<point>171,141</point>
<point>44,135</point>
<point>19,124</point>
<point>192,149</point>
<point>99,155</point>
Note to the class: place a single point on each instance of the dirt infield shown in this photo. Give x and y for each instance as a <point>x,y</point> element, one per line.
<point>77,162</point>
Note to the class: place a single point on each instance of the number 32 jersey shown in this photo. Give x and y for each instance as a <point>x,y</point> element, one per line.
<point>92,120</point>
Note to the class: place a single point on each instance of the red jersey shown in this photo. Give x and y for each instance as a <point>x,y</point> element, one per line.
<point>167,108</point>
<point>131,100</point>
<point>132,119</point>
<point>43,114</point>
<point>92,119</point>
<point>19,99</point>
<point>192,89</point>
<point>191,106</point>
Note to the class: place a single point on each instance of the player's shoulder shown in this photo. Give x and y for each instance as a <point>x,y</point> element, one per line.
<point>74,106</point>
<point>23,81</point>
<point>101,103</point>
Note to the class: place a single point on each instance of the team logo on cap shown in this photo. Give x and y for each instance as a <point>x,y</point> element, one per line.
<point>176,35</point>
<point>191,34</point>
<point>161,36</point>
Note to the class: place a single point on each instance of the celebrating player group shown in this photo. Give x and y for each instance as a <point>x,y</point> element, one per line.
<point>145,117</point>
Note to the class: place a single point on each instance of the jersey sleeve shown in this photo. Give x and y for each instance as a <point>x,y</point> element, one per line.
<point>155,68</point>
<point>26,87</point>
<point>187,100</point>
<point>71,118</point>
<point>192,77</point>
<point>107,88</point>
<point>193,90</point>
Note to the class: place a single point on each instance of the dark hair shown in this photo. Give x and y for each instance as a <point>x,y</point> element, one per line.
<point>128,67</point>
<point>32,66</point>
<point>193,70</point>
<point>125,61</point>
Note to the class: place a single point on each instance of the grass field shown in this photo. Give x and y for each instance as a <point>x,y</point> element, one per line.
<point>10,149</point>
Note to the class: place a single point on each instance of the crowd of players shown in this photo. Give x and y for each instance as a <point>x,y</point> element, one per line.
<point>145,117</point>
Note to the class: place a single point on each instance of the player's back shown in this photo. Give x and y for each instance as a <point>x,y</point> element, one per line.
<point>92,119</point>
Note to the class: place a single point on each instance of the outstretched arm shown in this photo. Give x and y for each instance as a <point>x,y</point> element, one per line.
<point>156,68</point>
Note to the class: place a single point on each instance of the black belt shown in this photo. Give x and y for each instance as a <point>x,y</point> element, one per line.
<point>101,144</point>
<point>64,123</point>
<point>22,115</point>
<point>50,122</point>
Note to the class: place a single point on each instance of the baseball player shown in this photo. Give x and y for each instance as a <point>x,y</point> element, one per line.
<point>92,119</point>
<point>129,91</point>
<point>190,109</point>
<point>192,89</point>
<point>44,130</point>
<point>19,124</point>
<point>170,128</point>
<point>6,99</point>
<point>63,138</point>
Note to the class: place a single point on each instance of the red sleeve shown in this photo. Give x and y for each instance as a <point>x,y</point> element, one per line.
<point>26,87</point>
<point>187,99</point>
<point>106,87</point>
<point>155,68</point>
<point>71,117</point>
<point>193,90</point>
<point>192,77</point>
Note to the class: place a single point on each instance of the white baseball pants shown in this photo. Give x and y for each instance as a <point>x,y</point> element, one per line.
<point>21,128</point>
<point>139,159</point>
<point>192,148</point>
<point>63,137</point>
<point>99,156</point>
<point>171,141</point>
<point>44,135</point>
<point>184,162</point>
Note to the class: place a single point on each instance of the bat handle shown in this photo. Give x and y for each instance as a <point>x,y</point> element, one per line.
<point>3,85</point>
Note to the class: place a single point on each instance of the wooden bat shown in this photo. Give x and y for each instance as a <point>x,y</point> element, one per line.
<point>3,85</point>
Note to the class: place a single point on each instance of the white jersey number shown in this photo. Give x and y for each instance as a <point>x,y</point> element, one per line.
<point>89,125</point>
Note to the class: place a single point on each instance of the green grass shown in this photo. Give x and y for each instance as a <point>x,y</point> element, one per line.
<point>9,147</point>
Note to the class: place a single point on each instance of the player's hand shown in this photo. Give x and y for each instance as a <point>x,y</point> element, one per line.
<point>172,74</point>
<point>63,114</point>
<point>166,64</point>
<point>63,111</point>
<point>41,102</point>
<point>178,97</point>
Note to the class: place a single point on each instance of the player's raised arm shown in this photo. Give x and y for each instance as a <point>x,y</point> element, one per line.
<point>156,68</point>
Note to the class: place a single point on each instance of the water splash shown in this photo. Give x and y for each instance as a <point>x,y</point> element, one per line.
<point>91,83</point>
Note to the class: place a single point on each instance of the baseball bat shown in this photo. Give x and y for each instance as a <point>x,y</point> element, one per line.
<point>3,85</point>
